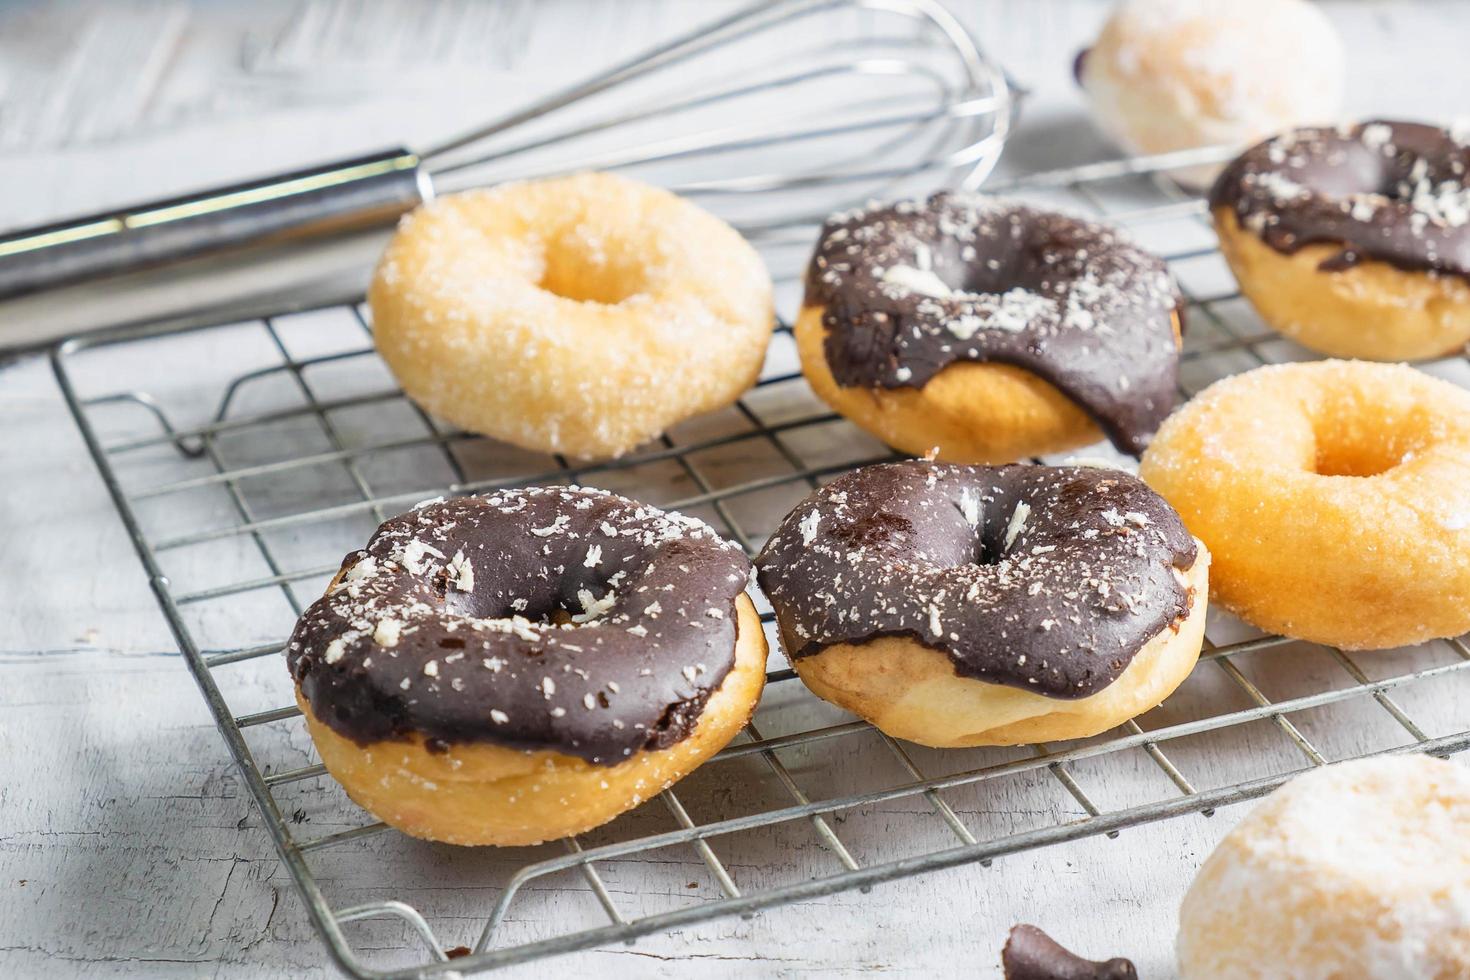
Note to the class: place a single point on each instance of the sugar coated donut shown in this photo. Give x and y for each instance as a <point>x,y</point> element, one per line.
<point>1354,241</point>
<point>580,315</point>
<point>1169,75</point>
<point>518,667</point>
<point>989,329</point>
<point>1360,869</point>
<point>964,605</point>
<point>1334,496</point>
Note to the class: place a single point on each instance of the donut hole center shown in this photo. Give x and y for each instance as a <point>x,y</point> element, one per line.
<point>1399,173</point>
<point>1000,269</point>
<point>987,553</point>
<point>992,277</point>
<point>1347,451</point>
<point>1362,462</point>
<point>583,266</point>
<point>549,607</point>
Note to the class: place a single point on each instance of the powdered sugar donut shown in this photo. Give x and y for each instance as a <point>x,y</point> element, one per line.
<point>1174,74</point>
<point>581,315</point>
<point>1360,869</point>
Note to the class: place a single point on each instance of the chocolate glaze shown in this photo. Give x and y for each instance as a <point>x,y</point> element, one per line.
<point>1057,600</point>
<point>1390,191</point>
<point>1067,299</point>
<point>1079,65</point>
<point>1031,954</point>
<point>452,624</point>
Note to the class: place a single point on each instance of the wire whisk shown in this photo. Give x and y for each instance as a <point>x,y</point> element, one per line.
<point>770,120</point>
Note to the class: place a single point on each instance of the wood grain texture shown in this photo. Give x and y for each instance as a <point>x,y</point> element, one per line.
<point>127,846</point>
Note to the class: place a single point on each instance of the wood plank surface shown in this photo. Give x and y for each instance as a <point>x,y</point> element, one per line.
<point>127,845</point>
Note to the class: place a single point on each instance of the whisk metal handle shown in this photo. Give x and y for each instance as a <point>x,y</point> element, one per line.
<point>324,200</point>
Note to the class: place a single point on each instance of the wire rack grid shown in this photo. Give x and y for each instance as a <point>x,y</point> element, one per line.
<point>239,520</point>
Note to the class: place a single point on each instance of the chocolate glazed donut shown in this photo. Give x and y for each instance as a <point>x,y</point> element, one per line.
<point>990,329</point>
<point>1354,241</point>
<point>1387,191</point>
<point>964,605</point>
<point>502,669</point>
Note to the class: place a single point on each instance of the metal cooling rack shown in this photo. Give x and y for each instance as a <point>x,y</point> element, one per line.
<point>239,520</point>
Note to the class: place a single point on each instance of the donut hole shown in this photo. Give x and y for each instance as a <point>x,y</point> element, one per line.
<point>586,267</point>
<point>1360,171</point>
<point>1412,159</point>
<point>1359,461</point>
<point>994,277</point>
<point>991,552</point>
<point>554,607</point>
<point>1344,450</point>
<point>891,533</point>
<point>1038,258</point>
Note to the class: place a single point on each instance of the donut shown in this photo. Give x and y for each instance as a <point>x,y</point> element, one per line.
<point>989,329</point>
<point>1359,869</point>
<point>1334,496</point>
<point>1030,954</point>
<point>956,605</point>
<point>580,315</point>
<point>1166,75</point>
<point>1355,241</point>
<point>517,667</point>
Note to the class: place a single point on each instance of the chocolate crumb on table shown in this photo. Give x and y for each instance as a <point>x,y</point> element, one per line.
<point>1030,954</point>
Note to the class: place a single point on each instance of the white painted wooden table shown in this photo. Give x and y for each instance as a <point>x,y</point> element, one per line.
<point>126,846</point>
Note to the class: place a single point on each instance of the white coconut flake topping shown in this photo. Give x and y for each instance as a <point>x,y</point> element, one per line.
<point>1280,187</point>
<point>1017,522</point>
<point>387,632</point>
<point>415,555</point>
<point>970,507</point>
<point>809,527</point>
<point>1377,136</point>
<point>592,607</point>
<point>461,573</point>
<point>555,527</point>
<point>912,280</point>
<point>1012,311</point>
<point>1446,204</point>
<point>366,568</point>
